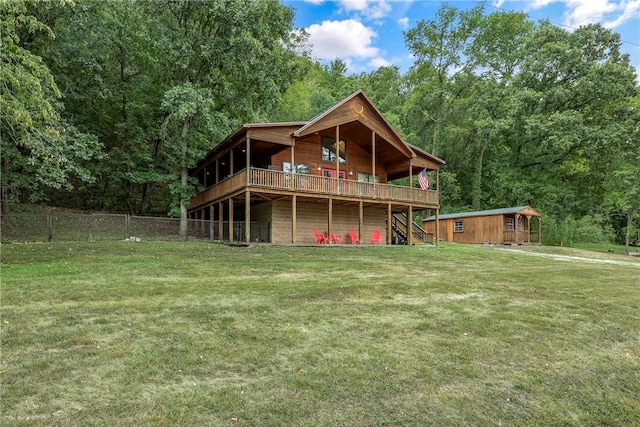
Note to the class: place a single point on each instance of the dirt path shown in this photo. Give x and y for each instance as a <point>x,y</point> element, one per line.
<point>571,258</point>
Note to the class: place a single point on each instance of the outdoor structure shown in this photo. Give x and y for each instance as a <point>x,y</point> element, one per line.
<point>277,182</point>
<point>507,226</point>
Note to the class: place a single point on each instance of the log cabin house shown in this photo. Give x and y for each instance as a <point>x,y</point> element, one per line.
<point>278,182</point>
<point>516,225</point>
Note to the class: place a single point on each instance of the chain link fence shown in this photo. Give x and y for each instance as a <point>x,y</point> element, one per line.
<point>69,227</point>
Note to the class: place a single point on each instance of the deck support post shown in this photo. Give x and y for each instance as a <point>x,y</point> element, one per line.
<point>516,228</point>
<point>437,234</point>
<point>211,229</point>
<point>294,218</point>
<point>410,226</point>
<point>330,220</point>
<point>247,214</point>
<point>220,221</point>
<point>360,219</point>
<point>231,219</point>
<point>389,223</point>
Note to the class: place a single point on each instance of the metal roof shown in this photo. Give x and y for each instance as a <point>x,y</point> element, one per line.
<point>503,211</point>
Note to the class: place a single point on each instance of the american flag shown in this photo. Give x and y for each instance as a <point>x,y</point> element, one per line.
<point>423,179</point>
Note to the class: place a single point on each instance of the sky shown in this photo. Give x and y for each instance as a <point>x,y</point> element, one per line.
<point>368,34</point>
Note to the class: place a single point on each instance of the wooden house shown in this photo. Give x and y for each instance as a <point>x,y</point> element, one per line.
<point>505,226</point>
<point>278,182</point>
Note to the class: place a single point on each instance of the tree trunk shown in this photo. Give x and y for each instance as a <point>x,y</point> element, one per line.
<point>629,225</point>
<point>184,180</point>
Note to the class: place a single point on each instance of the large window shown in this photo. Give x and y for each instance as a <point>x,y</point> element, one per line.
<point>458,227</point>
<point>329,149</point>
<point>367,177</point>
<point>302,168</point>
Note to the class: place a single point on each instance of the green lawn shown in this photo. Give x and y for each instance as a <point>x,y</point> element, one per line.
<point>194,334</point>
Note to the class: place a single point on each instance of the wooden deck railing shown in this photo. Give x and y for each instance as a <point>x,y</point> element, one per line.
<point>314,185</point>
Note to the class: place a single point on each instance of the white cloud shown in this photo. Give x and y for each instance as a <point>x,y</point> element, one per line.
<point>403,22</point>
<point>316,2</point>
<point>342,39</point>
<point>609,13</point>
<point>370,9</point>
<point>379,62</point>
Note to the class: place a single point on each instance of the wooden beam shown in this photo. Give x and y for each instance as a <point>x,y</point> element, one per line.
<point>389,223</point>
<point>373,157</point>
<point>220,221</point>
<point>330,220</point>
<point>211,222</point>
<point>410,226</point>
<point>360,219</point>
<point>247,215</point>
<point>294,218</point>
<point>230,219</point>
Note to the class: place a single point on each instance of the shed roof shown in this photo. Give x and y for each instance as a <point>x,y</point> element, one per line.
<point>489,212</point>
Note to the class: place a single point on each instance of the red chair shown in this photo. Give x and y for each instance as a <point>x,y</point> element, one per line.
<point>353,236</point>
<point>320,238</point>
<point>376,237</point>
<point>336,239</point>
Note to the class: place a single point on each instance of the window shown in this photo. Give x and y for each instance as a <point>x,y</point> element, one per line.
<point>302,168</point>
<point>510,222</point>
<point>520,227</point>
<point>329,149</point>
<point>367,177</point>
<point>458,227</point>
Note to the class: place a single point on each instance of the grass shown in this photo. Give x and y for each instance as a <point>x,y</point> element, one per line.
<point>203,334</point>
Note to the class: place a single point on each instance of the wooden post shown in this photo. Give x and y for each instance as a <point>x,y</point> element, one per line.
<point>360,219</point>
<point>540,230</point>
<point>293,165</point>
<point>330,220</point>
<point>211,215</point>
<point>373,157</point>
<point>294,220</point>
<point>389,223</point>
<point>247,214</point>
<point>220,221</point>
<point>437,234</point>
<point>231,219</point>
<point>516,227</point>
<point>410,226</point>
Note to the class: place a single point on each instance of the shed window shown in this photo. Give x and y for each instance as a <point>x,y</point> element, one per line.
<point>458,227</point>
<point>510,222</point>
<point>329,149</point>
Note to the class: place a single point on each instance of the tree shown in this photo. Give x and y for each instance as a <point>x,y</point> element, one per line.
<point>39,148</point>
<point>226,62</point>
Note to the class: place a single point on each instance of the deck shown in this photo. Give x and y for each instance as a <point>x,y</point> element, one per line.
<point>287,183</point>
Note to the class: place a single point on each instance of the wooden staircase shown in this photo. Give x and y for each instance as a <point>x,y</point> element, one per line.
<point>399,227</point>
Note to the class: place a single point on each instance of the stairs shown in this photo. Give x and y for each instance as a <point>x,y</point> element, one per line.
<point>399,226</point>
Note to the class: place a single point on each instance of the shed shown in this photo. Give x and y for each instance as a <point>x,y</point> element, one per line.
<point>515,225</point>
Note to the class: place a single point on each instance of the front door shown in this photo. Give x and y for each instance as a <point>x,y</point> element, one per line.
<point>331,184</point>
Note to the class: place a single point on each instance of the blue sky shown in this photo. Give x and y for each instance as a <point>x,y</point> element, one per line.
<point>367,34</point>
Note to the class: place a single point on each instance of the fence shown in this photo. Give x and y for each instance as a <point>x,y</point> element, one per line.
<point>68,227</point>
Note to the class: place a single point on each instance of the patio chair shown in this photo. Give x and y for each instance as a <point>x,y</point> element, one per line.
<point>320,238</point>
<point>353,236</point>
<point>376,237</point>
<point>336,239</point>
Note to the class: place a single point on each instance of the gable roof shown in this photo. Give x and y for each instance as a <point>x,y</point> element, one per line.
<point>489,212</point>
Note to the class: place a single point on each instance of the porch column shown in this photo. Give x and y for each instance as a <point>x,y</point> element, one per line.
<point>293,163</point>
<point>217,177</point>
<point>211,228</point>
<point>338,156</point>
<point>247,214</point>
<point>389,225</point>
<point>373,157</point>
<point>230,162</point>
<point>360,219</point>
<point>516,227</point>
<point>529,228</point>
<point>410,226</point>
<point>220,221</point>
<point>231,219</point>
<point>294,220</point>
<point>539,229</point>
<point>330,220</point>
<point>411,175</point>
<point>437,234</point>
